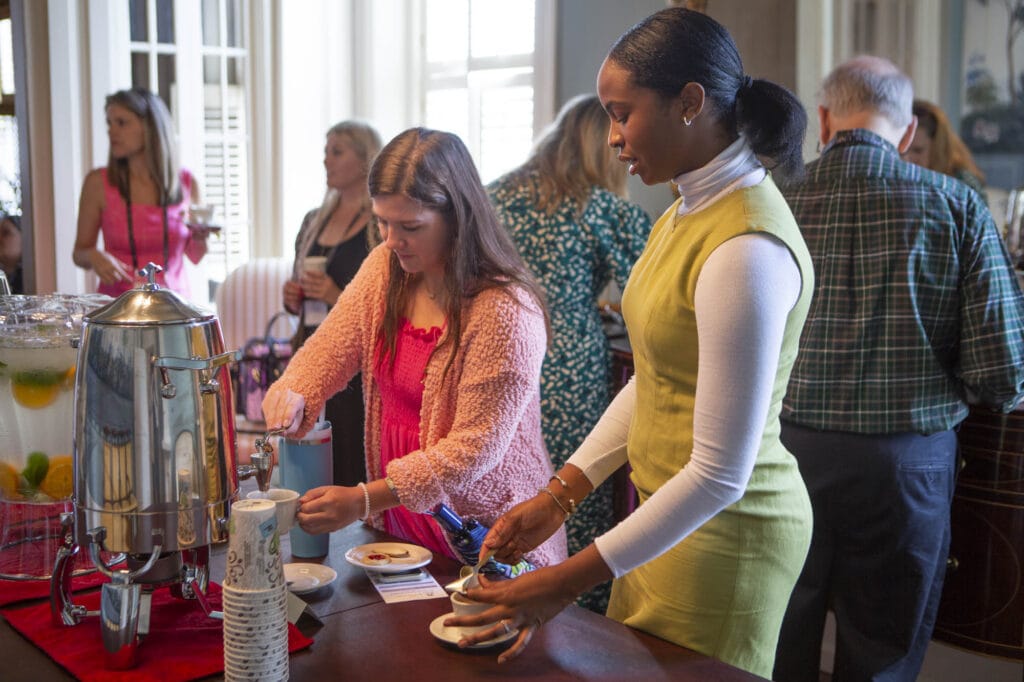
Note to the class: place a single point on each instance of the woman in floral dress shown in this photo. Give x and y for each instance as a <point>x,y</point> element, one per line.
<point>565,210</point>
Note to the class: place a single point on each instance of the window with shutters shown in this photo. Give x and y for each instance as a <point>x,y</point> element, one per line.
<point>10,180</point>
<point>481,77</point>
<point>193,54</point>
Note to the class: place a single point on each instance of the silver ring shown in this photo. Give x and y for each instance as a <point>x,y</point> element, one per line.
<point>504,624</point>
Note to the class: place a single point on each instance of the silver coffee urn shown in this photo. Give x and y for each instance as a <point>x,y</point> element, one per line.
<point>154,458</point>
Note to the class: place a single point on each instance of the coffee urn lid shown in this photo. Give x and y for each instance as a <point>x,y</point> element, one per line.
<point>148,304</point>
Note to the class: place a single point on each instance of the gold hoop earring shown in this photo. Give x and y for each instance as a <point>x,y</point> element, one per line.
<point>687,121</point>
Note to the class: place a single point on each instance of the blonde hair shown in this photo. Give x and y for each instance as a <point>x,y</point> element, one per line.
<point>158,145</point>
<point>947,154</point>
<point>366,143</point>
<point>572,156</point>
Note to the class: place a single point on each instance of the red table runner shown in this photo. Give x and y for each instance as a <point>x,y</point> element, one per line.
<point>12,591</point>
<point>182,644</point>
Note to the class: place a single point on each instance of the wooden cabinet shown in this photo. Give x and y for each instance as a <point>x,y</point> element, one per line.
<point>623,493</point>
<point>982,606</point>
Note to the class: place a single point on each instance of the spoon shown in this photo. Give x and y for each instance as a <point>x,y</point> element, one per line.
<point>469,576</point>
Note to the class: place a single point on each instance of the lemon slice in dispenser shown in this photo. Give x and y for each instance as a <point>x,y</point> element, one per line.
<point>58,480</point>
<point>38,388</point>
<point>9,482</point>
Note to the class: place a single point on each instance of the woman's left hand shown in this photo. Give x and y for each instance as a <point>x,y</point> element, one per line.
<point>320,286</point>
<point>200,232</point>
<point>328,508</point>
<point>525,602</point>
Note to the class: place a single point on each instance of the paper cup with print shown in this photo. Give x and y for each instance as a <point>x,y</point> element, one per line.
<point>314,264</point>
<point>254,546</point>
<point>287,506</point>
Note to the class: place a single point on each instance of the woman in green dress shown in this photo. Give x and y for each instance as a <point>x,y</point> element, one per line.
<point>714,309</point>
<point>567,213</point>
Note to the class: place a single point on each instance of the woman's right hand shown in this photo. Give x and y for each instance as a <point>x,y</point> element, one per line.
<point>283,408</point>
<point>292,294</point>
<point>330,507</point>
<point>110,270</point>
<point>523,528</point>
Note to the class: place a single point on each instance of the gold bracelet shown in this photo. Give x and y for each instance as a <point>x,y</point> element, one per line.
<point>572,504</point>
<point>391,486</point>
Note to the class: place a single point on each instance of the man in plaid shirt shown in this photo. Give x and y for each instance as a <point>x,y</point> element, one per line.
<point>917,313</point>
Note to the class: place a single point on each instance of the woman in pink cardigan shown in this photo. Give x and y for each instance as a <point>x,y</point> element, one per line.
<point>449,332</point>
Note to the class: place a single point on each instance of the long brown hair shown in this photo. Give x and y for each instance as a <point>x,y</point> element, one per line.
<point>572,156</point>
<point>158,145</point>
<point>948,154</point>
<point>435,169</point>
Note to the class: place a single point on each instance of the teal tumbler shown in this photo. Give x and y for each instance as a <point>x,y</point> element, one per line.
<point>306,463</point>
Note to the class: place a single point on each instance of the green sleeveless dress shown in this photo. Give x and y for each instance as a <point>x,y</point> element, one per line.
<point>723,590</point>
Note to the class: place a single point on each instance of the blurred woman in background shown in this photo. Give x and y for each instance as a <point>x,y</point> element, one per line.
<point>11,252</point>
<point>339,234</point>
<point>937,146</point>
<point>140,201</point>
<point>567,214</point>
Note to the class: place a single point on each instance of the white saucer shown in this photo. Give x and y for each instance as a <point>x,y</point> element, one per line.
<point>416,556</point>
<point>452,635</point>
<point>303,578</point>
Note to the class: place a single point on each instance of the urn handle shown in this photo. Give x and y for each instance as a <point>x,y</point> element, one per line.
<point>206,366</point>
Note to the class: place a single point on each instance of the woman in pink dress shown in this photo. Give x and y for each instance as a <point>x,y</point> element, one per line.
<point>139,202</point>
<point>449,332</point>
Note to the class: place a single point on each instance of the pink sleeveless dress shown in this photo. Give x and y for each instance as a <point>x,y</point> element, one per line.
<point>148,231</point>
<point>401,393</point>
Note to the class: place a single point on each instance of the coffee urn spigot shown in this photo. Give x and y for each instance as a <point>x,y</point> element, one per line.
<point>262,462</point>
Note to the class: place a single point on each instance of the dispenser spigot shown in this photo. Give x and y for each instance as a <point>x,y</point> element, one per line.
<point>262,462</point>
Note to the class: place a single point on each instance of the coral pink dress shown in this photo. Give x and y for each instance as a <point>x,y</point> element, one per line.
<point>148,236</point>
<point>401,393</point>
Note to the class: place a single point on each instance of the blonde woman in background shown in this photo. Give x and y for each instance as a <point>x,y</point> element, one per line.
<point>567,213</point>
<point>342,231</point>
<point>139,201</point>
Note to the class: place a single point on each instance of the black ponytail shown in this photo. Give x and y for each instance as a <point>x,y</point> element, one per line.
<point>775,123</point>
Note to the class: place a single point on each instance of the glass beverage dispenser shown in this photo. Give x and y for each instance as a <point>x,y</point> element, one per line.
<point>38,353</point>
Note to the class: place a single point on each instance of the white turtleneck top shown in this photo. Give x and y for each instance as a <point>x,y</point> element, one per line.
<point>734,376</point>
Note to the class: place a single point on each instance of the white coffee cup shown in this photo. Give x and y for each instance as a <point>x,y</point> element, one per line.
<point>314,264</point>
<point>464,606</point>
<point>286,506</point>
<point>201,214</point>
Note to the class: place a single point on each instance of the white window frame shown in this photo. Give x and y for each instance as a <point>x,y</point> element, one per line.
<point>542,76</point>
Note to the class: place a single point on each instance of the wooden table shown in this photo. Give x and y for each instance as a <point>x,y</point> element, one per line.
<point>362,638</point>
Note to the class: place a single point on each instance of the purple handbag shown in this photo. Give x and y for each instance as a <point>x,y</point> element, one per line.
<point>263,360</point>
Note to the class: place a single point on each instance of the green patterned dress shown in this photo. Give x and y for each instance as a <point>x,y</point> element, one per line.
<point>574,257</point>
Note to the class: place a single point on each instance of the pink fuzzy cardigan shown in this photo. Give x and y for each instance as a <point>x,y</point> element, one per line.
<point>481,449</point>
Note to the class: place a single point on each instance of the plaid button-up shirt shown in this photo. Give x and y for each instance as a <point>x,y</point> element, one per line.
<point>916,311</point>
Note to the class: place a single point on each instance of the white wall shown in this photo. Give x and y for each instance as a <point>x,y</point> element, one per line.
<point>316,92</point>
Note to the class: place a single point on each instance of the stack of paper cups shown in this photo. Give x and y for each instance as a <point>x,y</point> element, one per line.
<point>255,600</point>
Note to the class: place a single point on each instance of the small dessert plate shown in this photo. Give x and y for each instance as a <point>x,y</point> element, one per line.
<point>452,635</point>
<point>388,557</point>
<point>305,578</point>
